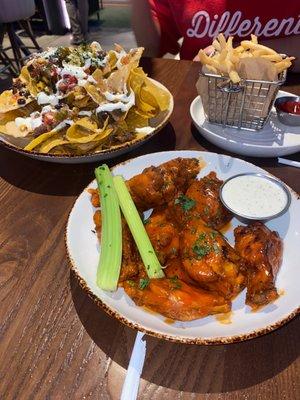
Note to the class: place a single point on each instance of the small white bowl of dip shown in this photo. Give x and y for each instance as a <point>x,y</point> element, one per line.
<point>252,196</point>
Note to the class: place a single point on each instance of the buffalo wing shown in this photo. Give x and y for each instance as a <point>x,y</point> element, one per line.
<point>163,235</point>
<point>262,251</point>
<point>201,201</point>
<point>175,299</point>
<point>156,186</point>
<point>210,260</point>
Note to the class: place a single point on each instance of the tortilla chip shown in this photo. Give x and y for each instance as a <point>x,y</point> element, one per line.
<point>112,60</point>
<point>135,120</point>
<point>30,84</point>
<point>98,75</point>
<point>95,93</point>
<point>117,80</point>
<point>11,129</point>
<point>85,130</point>
<point>150,99</point>
<point>51,143</point>
<point>9,102</point>
<point>155,96</point>
<point>40,139</point>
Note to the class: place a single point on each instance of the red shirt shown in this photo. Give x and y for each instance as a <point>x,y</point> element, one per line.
<point>200,21</point>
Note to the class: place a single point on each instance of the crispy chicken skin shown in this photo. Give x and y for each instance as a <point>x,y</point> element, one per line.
<point>95,200</point>
<point>156,186</point>
<point>201,200</point>
<point>174,268</point>
<point>262,252</point>
<point>163,235</point>
<point>210,261</point>
<point>175,299</point>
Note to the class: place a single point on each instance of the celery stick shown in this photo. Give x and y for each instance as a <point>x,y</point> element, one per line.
<point>136,226</point>
<point>111,232</point>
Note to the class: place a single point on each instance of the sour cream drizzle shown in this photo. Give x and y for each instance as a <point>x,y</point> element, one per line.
<point>44,98</point>
<point>127,102</point>
<point>74,70</point>
<point>119,56</point>
<point>30,122</point>
<point>254,196</point>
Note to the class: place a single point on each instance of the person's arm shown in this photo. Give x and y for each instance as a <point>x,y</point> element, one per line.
<point>155,27</point>
<point>146,29</point>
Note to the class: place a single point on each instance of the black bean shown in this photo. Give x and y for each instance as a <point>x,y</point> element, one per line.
<point>21,101</point>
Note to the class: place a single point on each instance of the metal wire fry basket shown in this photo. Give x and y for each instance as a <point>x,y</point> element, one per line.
<point>246,105</point>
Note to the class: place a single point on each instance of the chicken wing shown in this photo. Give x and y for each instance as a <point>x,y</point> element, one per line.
<point>156,186</point>
<point>174,268</point>
<point>210,261</point>
<point>262,250</point>
<point>202,201</point>
<point>163,235</point>
<point>175,299</point>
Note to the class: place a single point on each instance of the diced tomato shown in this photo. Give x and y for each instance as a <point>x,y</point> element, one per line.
<point>63,86</point>
<point>67,83</point>
<point>53,72</point>
<point>72,80</point>
<point>48,118</point>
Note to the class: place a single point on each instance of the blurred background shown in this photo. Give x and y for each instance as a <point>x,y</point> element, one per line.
<point>28,26</point>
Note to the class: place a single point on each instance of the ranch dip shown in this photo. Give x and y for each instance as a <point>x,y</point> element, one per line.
<point>254,196</point>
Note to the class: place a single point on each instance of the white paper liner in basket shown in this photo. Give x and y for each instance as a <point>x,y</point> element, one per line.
<point>246,105</point>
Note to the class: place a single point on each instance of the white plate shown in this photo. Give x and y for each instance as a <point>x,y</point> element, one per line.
<point>274,140</point>
<point>83,251</point>
<point>157,123</point>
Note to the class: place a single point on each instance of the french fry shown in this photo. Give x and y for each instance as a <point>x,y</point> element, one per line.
<point>216,45</point>
<point>234,76</point>
<point>272,57</point>
<point>247,44</point>
<point>204,59</point>
<point>229,43</point>
<point>282,65</point>
<point>239,49</point>
<point>212,69</point>
<point>222,41</point>
<point>254,39</point>
<point>226,58</point>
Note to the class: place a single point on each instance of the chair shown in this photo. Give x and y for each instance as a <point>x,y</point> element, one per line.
<point>12,12</point>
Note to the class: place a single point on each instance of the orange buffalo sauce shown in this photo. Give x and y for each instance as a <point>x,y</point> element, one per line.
<point>224,318</point>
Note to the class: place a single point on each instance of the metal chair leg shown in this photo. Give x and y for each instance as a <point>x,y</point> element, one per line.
<point>26,25</point>
<point>7,63</point>
<point>15,46</point>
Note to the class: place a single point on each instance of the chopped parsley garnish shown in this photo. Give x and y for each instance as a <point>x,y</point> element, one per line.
<point>175,282</point>
<point>131,283</point>
<point>201,250</point>
<point>185,202</point>
<point>144,282</point>
<point>206,210</point>
<point>213,234</point>
<point>202,247</point>
<point>216,248</point>
<point>202,236</point>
